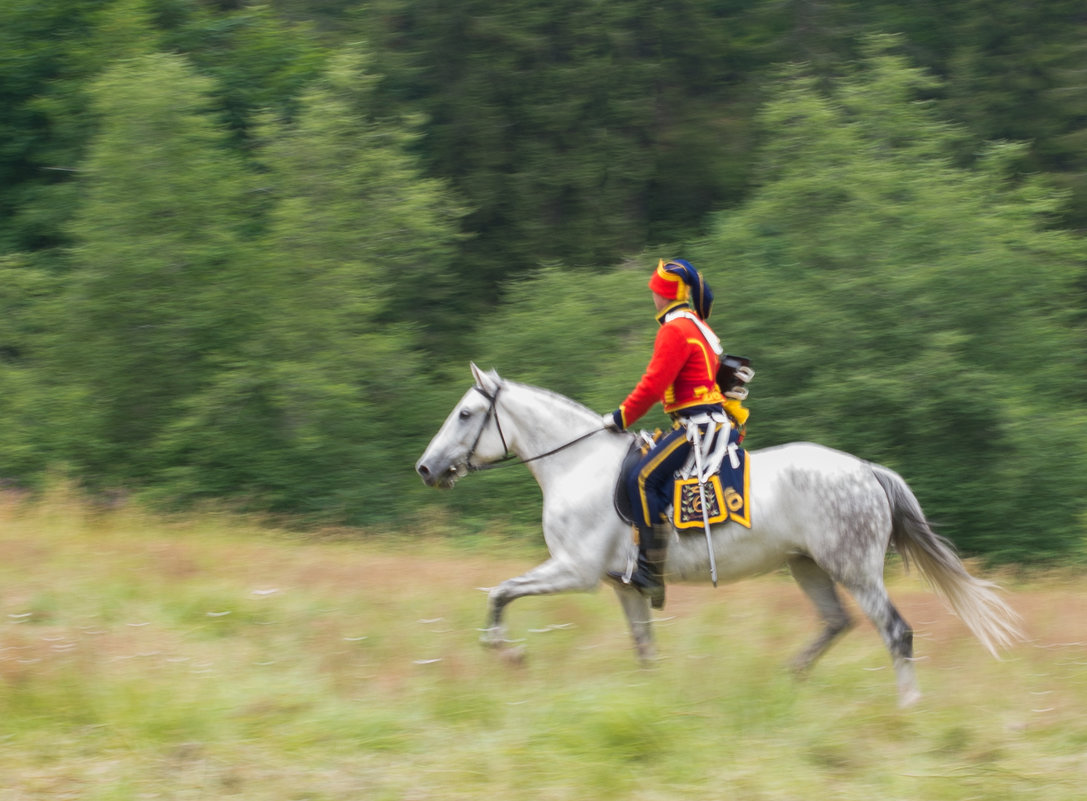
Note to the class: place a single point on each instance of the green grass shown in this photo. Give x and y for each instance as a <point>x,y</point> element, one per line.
<point>145,658</point>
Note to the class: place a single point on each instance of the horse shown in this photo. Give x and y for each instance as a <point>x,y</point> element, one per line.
<point>827,515</point>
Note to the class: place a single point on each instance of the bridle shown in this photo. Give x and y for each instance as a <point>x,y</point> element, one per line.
<point>510,458</point>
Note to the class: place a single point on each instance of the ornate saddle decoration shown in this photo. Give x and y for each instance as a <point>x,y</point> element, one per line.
<point>726,484</point>
<point>725,492</point>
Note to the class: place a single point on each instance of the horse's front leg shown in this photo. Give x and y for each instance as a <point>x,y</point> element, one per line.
<point>553,576</point>
<point>636,608</point>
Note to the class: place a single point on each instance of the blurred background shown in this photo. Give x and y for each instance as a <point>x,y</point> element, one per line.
<point>248,251</point>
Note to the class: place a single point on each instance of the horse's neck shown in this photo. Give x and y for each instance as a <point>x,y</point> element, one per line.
<point>545,421</point>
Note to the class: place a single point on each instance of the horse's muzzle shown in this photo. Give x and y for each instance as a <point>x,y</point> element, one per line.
<point>433,477</point>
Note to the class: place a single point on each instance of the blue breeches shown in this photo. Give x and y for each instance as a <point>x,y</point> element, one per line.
<point>650,483</point>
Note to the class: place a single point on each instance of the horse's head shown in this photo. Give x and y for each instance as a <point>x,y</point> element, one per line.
<point>468,438</point>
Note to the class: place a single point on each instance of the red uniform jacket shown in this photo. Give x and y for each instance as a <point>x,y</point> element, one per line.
<point>681,373</point>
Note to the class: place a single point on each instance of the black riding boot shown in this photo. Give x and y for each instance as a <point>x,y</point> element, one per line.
<point>648,575</point>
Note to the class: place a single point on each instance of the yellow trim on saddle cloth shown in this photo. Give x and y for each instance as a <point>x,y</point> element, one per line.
<point>723,503</point>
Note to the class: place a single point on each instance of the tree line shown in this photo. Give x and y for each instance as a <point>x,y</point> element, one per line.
<point>246,252</point>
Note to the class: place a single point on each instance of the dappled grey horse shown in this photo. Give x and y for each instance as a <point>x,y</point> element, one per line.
<point>828,515</point>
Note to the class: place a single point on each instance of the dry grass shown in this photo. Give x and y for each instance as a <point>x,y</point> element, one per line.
<point>150,659</point>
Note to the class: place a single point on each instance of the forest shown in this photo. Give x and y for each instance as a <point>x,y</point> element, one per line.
<point>247,251</point>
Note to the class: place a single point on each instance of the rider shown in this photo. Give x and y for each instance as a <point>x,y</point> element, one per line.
<point>682,376</point>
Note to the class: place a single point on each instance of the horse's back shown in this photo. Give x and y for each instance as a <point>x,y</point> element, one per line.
<point>815,498</point>
<point>807,467</point>
<point>806,455</point>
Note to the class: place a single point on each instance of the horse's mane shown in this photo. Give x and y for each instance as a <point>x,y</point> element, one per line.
<point>570,403</point>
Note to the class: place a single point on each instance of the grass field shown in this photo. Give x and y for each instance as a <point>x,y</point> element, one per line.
<point>142,658</point>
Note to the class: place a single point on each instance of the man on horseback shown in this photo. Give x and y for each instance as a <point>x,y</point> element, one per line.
<point>682,375</point>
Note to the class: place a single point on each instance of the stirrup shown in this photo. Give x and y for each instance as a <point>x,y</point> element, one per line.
<point>649,587</point>
<point>655,594</point>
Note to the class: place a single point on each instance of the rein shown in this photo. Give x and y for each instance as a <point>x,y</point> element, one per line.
<point>509,459</point>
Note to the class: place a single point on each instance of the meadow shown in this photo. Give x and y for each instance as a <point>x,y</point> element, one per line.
<point>148,657</point>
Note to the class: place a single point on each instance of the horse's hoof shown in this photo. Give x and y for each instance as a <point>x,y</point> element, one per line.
<point>909,698</point>
<point>513,656</point>
<point>799,671</point>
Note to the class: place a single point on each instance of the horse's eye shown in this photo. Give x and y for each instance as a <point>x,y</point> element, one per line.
<point>465,414</point>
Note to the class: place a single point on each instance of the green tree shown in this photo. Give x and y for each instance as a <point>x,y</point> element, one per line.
<point>259,61</point>
<point>576,132</point>
<point>50,51</point>
<point>156,290</point>
<point>315,412</point>
<point>1012,70</point>
<point>583,335</point>
<point>27,307</point>
<point>911,311</point>
<point>1020,73</point>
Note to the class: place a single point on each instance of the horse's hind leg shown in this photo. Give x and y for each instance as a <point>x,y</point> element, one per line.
<point>819,587</point>
<point>872,597</point>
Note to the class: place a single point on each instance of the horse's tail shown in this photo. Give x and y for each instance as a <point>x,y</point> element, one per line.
<point>974,600</point>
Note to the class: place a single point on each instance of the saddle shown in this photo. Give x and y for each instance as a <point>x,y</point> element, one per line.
<point>623,501</point>
<point>725,481</point>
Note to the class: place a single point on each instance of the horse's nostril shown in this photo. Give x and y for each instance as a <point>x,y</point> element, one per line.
<point>423,470</point>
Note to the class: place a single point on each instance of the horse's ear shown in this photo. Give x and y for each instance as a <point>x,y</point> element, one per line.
<point>486,381</point>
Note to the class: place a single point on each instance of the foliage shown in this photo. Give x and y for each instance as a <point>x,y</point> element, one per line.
<point>1014,71</point>
<point>155,266</point>
<point>52,52</point>
<point>911,311</point>
<point>26,293</point>
<point>49,53</point>
<point>296,415</point>
<point>573,130</point>
<point>247,250</point>
<point>574,333</point>
<point>259,61</point>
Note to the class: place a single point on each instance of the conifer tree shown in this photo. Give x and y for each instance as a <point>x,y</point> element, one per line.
<point>157,286</point>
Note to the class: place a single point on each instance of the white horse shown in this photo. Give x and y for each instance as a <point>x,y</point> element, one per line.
<point>826,514</point>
